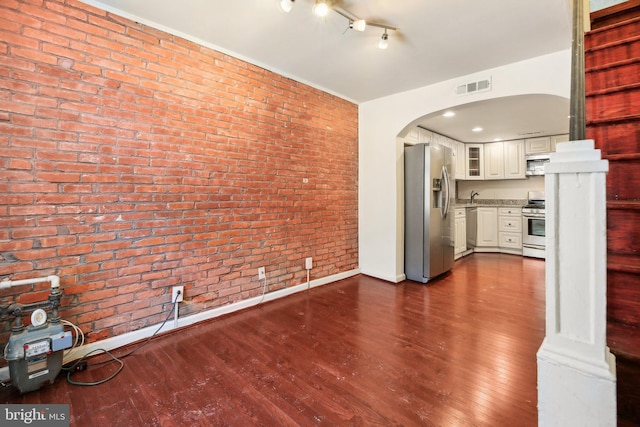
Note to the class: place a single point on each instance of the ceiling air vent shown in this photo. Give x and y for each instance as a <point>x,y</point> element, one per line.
<point>535,132</point>
<point>473,87</point>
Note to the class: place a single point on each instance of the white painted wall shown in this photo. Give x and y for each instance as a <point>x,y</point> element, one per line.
<point>383,120</point>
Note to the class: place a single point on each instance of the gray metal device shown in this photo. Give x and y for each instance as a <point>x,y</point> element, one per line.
<point>428,198</point>
<point>35,355</point>
<point>35,352</point>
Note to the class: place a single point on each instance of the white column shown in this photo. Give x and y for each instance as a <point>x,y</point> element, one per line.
<point>576,370</point>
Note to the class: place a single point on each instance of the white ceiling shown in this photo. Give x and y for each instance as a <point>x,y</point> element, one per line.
<point>501,119</point>
<point>436,40</point>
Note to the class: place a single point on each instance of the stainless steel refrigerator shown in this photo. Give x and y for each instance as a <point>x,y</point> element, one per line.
<point>428,212</point>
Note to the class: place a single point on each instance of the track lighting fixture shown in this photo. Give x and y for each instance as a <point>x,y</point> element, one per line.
<point>384,41</point>
<point>322,8</point>
<point>287,5</point>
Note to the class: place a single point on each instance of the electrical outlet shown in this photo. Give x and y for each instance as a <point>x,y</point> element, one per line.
<point>174,293</point>
<point>308,263</point>
<point>261,274</point>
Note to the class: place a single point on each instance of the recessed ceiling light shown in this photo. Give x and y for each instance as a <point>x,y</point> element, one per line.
<point>497,139</point>
<point>477,129</point>
<point>449,114</point>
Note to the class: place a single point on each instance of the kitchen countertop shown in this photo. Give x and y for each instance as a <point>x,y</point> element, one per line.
<point>494,203</point>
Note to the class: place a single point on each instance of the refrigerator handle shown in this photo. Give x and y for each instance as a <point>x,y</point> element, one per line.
<point>445,177</point>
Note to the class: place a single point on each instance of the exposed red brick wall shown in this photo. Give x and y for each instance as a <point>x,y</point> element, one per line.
<point>132,160</point>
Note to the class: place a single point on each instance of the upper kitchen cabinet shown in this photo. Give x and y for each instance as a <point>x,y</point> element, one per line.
<point>504,160</point>
<point>474,161</point>
<point>556,139</point>
<point>460,161</point>
<point>538,145</point>
<point>420,135</point>
<point>546,144</point>
<point>514,161</point>
<point>416,136</point>
<point>494,160</point>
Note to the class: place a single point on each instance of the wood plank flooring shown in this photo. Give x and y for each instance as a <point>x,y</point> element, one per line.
<point>459,351</point>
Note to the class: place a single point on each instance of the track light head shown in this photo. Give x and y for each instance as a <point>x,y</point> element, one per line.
<point>321,8</point>
<point>286,5</point>
<point>358,25</point>
<point>384,41</point>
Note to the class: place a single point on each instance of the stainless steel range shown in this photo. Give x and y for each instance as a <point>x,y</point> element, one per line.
<point>533,226</point>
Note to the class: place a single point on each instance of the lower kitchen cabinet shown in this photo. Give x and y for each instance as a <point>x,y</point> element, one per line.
<point>487,227</point>
<point>460,232</point>
<point>510,230</point>
<point>490,229</point>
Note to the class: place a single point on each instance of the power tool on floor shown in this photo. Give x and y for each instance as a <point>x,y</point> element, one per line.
<point>35,352</point>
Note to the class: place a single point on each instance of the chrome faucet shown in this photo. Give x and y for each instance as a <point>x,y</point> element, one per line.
<point>474,193</point>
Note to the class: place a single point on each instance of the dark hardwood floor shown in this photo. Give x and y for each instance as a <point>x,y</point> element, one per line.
<point>459,351</point>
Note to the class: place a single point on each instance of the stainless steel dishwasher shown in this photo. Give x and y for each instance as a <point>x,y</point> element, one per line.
<point>472,227</point>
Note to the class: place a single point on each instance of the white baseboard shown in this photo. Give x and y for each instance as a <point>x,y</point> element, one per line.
<point>141,334</point>
<point>486,249</point>
<point>393,279</point>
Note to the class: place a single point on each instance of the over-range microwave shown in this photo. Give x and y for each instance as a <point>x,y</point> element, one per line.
<point>535,163</point>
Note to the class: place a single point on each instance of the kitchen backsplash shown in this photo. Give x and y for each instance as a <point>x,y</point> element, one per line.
<point>507,189</point>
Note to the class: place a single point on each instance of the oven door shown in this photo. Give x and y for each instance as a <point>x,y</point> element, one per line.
<point>533,230</point>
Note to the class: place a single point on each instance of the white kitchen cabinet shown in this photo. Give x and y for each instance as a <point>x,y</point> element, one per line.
<point>460,170</point>
<point>487,227</point>
<point>474,159</point>
<point>494,160</point>
<point>556,139</point>
<point>510,241</point>
<point>418,135</point>
<point>510,229</point>
<point>413,137</point>
<point>514,161</point>
<point>537,145</point>
<point>504,160</point>
<point>497,229</point>
<point>460,232</point>
<point>515,211</point>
